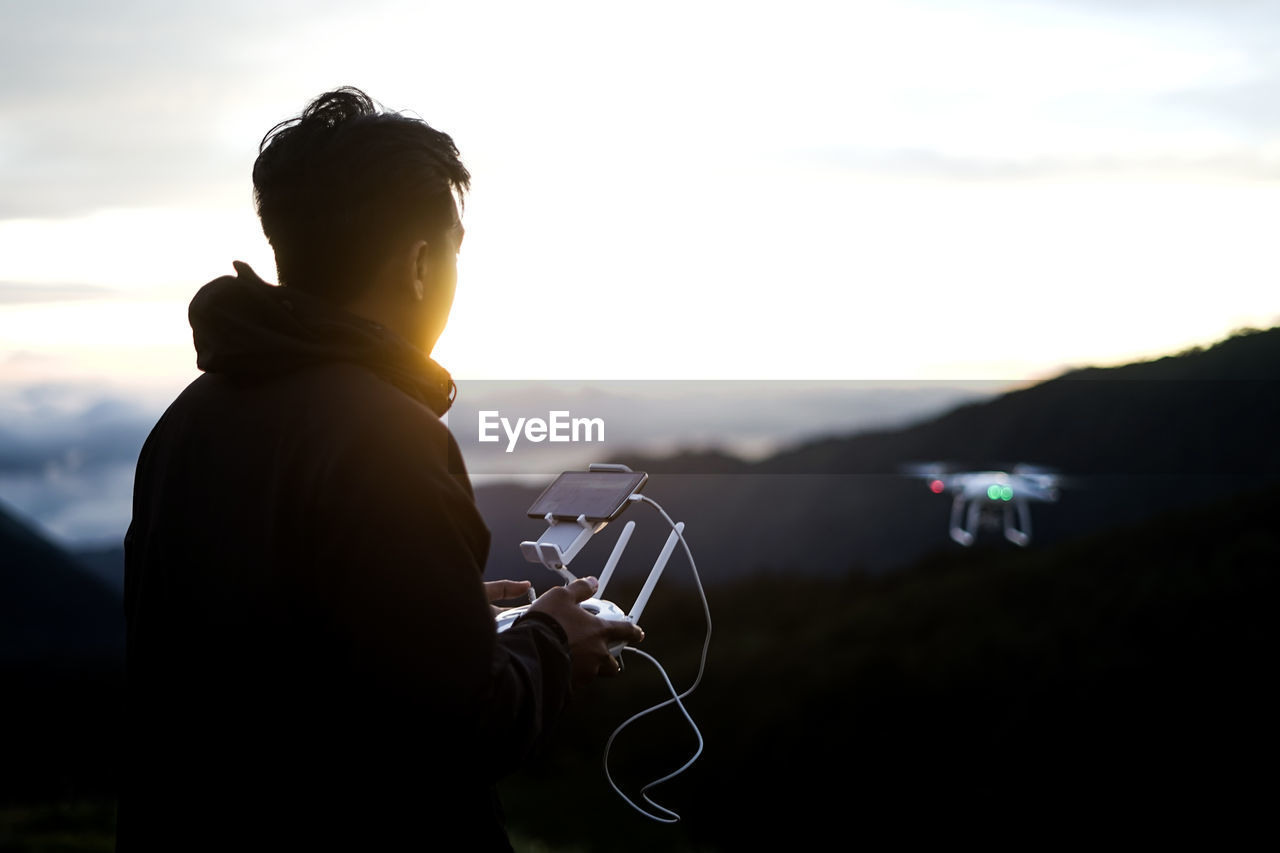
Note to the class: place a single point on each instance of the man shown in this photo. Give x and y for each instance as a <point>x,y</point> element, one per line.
<point>312,653</point>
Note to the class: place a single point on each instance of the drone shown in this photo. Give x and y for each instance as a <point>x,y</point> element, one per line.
<point>991,495</point>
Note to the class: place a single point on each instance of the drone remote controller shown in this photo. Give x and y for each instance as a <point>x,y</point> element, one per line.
<point>576,507</point>
<point>595,606</point>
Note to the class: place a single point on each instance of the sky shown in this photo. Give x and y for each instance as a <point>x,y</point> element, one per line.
<point>979,191</point>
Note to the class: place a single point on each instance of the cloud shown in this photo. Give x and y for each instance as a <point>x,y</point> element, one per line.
<point>1245,36</point>
<point>1244,163</point>
<point>67,455</point>
<point>1250,109</point>
<point>89,506</point>
<point>121,105</point>
<point>158,103</point>
<point>26,293</point>
<point>58,431</point>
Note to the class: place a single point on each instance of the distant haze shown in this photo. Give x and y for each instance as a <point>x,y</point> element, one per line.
<point>747,419</point>
<point>67,454</point>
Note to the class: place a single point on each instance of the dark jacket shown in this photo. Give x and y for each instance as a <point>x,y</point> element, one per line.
<point>311,655</point>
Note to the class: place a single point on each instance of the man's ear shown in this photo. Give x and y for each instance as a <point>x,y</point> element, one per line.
<point>421,256</point>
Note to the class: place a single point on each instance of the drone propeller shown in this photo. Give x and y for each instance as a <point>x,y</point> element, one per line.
<point>928,470</point>
<point>1043,475</point>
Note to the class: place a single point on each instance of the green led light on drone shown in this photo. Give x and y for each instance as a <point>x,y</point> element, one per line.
<point>993,492</point>
<point>1006,493</point>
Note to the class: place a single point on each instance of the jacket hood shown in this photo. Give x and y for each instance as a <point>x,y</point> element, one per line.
<point>244,326</point>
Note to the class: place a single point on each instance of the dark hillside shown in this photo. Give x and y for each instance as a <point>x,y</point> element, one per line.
<point>50,607</point>
<point>1115,683</point>
<point>61,671</point>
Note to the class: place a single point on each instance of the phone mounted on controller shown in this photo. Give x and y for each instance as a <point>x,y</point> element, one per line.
<point>577,506</point>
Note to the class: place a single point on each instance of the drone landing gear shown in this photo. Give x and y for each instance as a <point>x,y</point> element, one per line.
<point>963,535</point>
<point>1019,534</point>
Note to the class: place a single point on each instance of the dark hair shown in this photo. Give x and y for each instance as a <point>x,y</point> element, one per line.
<point>336,186</point>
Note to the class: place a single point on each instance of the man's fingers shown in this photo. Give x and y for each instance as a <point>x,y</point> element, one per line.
<point>582,588</point>
<point>500,590</point>
<point>610,667</point>
<point>624,631</point>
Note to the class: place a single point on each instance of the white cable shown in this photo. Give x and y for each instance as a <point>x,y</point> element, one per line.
<point>676,698</point>
<point>644,792</point>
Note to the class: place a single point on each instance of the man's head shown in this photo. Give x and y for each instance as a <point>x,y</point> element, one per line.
<point>360,204</point>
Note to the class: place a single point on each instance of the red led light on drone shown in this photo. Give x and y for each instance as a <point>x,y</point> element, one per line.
<point>936,486</point>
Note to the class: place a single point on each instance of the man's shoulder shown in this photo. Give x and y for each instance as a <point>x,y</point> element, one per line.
<point>372,426</point>
<point>327,414</point>
<point>358,391</point>
<point>328,434</point>
<point>336,393</point>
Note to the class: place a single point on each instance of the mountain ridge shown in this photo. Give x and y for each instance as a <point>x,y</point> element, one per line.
<point>1133,439</point>
<point>51,608</point>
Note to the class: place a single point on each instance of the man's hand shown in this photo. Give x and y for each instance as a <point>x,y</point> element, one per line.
<point>504,591</point>
<point>589,636</point>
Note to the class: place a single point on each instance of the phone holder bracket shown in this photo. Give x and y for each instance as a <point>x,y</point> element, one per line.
<point>564,539</point>
<point>560,543</point>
